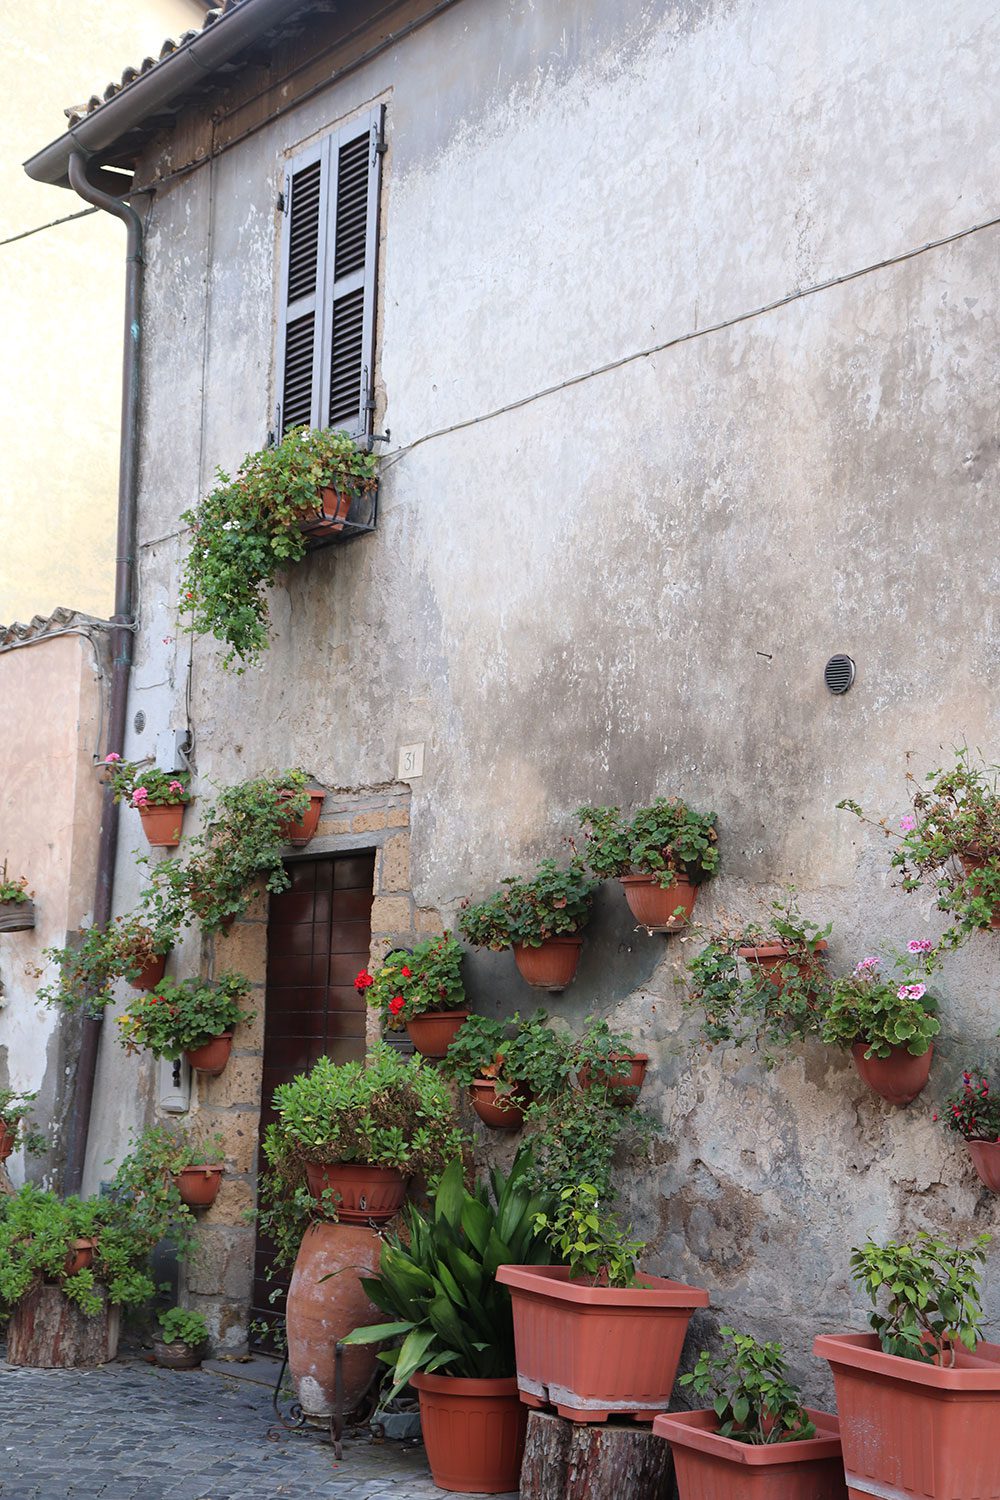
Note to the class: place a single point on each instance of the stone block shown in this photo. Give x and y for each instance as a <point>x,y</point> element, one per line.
<point>235,1200</point>
<point>257,909</point>
<point>238,1129</point>
<point>397,817</point>
<point>329,827</point>
<point>249,1037</point>
<point>239,1083</point>
<point>429,921</point>
<point>394,864</point>
<point>391,914</point>
<point>368,822</point>
<point>243,949</point>
<point>206,1265</point>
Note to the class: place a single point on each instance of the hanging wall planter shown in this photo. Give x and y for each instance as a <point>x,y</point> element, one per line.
<point>162,824</point>
<point>769,960</point>
<point>17,916</point>
<point>8,1138</point>
<point>433,1032</point>
<point>151,973</point>
<point>300,831</point>
<point>211,1057</point>
<point>985,1157</point>
<point>659,908</point>
<point>552,965</point>
<point>503,1113</point>
<point>420,988</point>
<point>898,1078</point>
<point>660,855</point>
<point>710,1467</point>
<point>624,1082</point>
<point>199,1186</point>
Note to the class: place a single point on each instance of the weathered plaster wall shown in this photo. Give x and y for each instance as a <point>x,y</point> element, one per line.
<point>50,808</point>
<point>630,586</point>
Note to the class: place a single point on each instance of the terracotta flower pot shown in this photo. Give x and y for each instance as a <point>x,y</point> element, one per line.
<point>970,863</point>
<point>150,974</point>
<point>211,1057</point>
<point>986,1160</point>
<point>433,1032</point>
<point>552,966</point>
<point>299,831</point>
<point>326,522</point>
<point>710,1467</point>
<point>770,958</point>
<point>176,1355</point>
<point>656,908</point>
<point>318,1313</point>
<point>17,916</point>
<point>623,1085</point>
<point>8,1138</point>
<point>198,1186</point>
<point>595,1351</point>
<point>915,1429</point>
<point>505,1113</point>
<point>368,1195</point>
<point>473,1431</point>
<point>162,825</point>
<point>80,1257</point>
<point>899,1077</point>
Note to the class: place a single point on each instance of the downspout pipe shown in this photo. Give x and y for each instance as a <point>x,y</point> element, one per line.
<point>123,623</point>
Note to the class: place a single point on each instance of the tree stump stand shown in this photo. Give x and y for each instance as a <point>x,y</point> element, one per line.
<point>49,1332</point>
<point>573,1461</point>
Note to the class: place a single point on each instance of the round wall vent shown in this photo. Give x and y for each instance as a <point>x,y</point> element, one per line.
<point>139,722</point>
<point>838,674</point>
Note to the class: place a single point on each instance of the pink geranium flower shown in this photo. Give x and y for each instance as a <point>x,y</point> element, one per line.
<point>907,823</point>
<point>868,965</point>
<point>109,760</point>
<point>919,945</point>
<point>911,991</point>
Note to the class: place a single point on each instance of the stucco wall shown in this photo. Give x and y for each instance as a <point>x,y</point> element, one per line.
<point>630,586</point>
<point>50,808</point>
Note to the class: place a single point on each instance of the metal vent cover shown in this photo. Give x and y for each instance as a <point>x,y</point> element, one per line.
<point>838,674</point>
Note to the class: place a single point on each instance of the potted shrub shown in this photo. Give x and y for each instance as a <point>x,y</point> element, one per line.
<point>604,1060</point>
<point>888,1021</point>
<point>660,855</point>
<point>301,830</point>
<point>159,797</point>
<point>541,919</point>
<point>13,1108</point>
<point>594,1336</point>
<point>504,1064</point>
<point>133,948</point>
<point>919,1399</point>
<point>195,1017</point>
<point>762,986</point>
<point>182,1337</point>
<point>755,1439</point>
<point>422,991</point>
<point>453,1318</point>
<point>248,528</point>
<point>17,910</point>
<point>357,1131</point>
<point>950,840</point>
<point>975,1114</point>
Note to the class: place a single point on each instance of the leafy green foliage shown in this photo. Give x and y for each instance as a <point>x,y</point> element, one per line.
<point>528,912</point>
<point>602,1052</point>
<point>408,984</point>
<point>14,1106</point>
<point>974,1113</point>
<point>592,1244</point>
<point>438,1281</point>
<point>145,786</point>
<point>180,1326</point>
<point>576,1134</point>
<point>950,842</point>
<point>247,528</point>
<point>13,890</point>
<point>163,1150</point>
<point>884,1011</point>
<point>181,1015</point>
<point>87,970</point>
<point>512,1053</point>
<point>931,1293</point>
<point>749,1391</point>
<point>666,839</point>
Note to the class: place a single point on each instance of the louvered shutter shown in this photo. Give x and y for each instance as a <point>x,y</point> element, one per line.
<point>326,337</point>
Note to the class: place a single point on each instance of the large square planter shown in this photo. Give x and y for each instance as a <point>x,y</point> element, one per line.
<point>594,1351</point>
<point>710,1467</point>
<point>914,1429</point>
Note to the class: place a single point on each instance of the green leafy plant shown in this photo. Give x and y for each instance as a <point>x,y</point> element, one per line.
<point>144,1182</point>
<point>577,1134</point>
<point>931,1292</point>
<point>974,1113</point>
<point>514,1054</point>
<point>884,1010</point>
<point>590,1242</point>
<point>950,841</point>
<point>405,984</point>
<point>437,1282</point>
<point>529,912</point>
<point>750,1004</point>
<point>178,1325</point>
<point>601,1052</point>
<point>86,971</point>
<point>749,1391</point>
<point>387,1111</point>
<point>13,890</point>
<point>181,1015</point>
<point>14,1107</point>
<point>248,527</point>
<point>666,839</point>
<point>145,786</point>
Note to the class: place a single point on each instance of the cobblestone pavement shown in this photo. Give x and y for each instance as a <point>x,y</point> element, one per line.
<point>130,1430</point>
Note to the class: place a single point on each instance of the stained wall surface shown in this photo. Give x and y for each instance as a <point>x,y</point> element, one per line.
<point>678,407</point>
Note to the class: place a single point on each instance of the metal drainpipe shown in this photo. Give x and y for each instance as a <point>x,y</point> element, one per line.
<point>121,638</point>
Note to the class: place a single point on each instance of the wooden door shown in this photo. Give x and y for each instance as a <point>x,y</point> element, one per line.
<point>318,938</point>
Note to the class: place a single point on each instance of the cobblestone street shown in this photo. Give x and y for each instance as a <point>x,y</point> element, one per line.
<point>129,1429</point>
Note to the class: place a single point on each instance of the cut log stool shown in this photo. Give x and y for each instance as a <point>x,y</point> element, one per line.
<point>571,1461</point>
<point>49,1332</point>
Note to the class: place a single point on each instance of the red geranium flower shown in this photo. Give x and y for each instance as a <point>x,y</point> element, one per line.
<point>363,980</point>
<point>406,973</point>
<point>396,1005</point>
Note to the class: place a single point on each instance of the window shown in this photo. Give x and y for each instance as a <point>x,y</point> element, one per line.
<point>329,249</point>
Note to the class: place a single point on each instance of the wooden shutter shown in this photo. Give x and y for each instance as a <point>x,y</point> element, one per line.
<point>326,332</point>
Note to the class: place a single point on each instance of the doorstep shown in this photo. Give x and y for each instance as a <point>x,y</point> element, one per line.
<point>258,1369</point>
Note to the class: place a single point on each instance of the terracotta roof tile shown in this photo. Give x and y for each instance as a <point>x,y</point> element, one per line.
<point>54,624</point>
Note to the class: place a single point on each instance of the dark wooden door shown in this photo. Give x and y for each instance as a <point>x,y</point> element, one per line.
<point>318,937</point>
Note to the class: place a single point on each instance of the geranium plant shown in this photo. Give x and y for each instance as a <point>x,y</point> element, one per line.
<point>973,1112</point>
<point>749,1390</point>
<point>180,1016</point>
<point>667,839</point>
<point>599,1053</point>
<point>593,1244</point>
<point>145,786</point>
<point>950,840</point>
<point>405,984</point>
<point>885,1009</point>
<point>513,1054</point>
<point>179,1325</point>
<point>13,890</point>
<point>930,1292</point>
<point>248,527</point>
<point>86,971</point>
<point>528,912</point>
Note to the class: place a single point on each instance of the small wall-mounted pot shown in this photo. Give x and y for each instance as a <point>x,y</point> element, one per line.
<point>199,1186</point>
<point>503,1113</point>
<point>299,831</point>
<point>656,908</point>
<point>623,1085</point>
<point>211,1057</point>
<point>17,916</point>
<point>433,1032</point>
<point>151,973</point>
<point>898,1078</point>
<point>552,965</point>
<point>162,825</point>
<point>985,1157</point>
